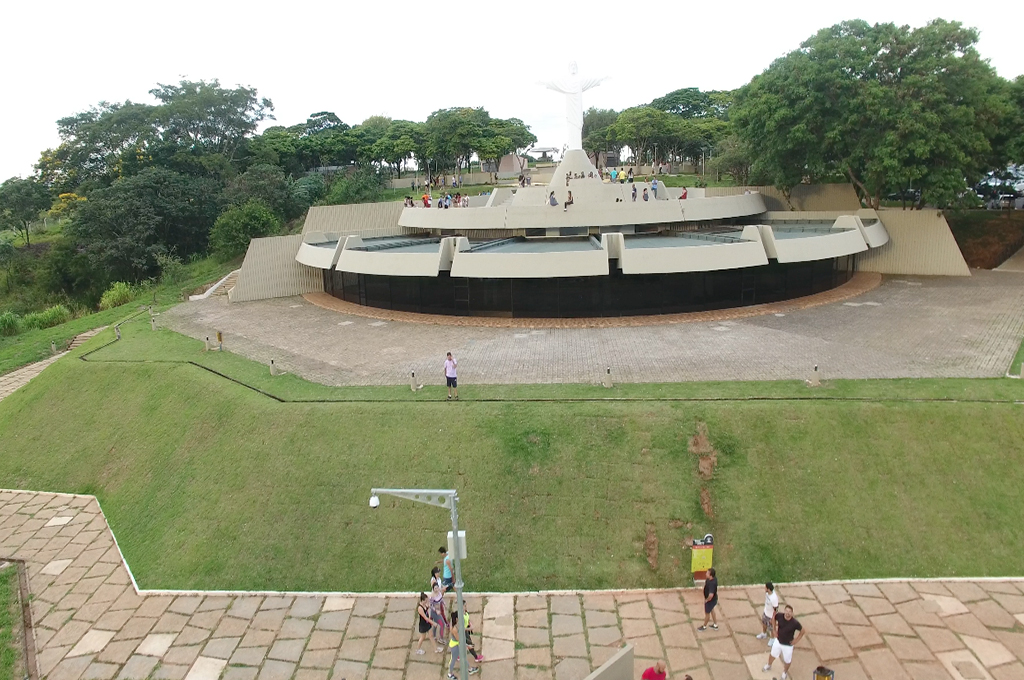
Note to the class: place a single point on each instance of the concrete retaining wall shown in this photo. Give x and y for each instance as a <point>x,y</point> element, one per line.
<point>803,196</point>
<point>920,243</point>
<point>619,667</point>
<point>270,270</point>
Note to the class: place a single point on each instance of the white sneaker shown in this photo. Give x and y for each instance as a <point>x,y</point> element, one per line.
<point>766,668</point>
<point>784,675</point>
<point>761,636</point>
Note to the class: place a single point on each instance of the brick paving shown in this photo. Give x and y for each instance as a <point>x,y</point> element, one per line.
<point>907,327</point>
<point>9,382</point>
<point>90,623</point>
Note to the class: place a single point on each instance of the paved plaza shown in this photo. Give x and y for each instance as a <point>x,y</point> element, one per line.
<point>908,327</point>
<point>90,623</point>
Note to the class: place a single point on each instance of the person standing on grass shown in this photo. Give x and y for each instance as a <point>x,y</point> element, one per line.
<point>771,608</point>
<point>655,672</point>
<point>450,377</point>
<point>784,627</point>
<point>710,600</point>
<point>426,625</point>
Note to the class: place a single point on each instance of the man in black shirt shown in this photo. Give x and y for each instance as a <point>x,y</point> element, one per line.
<point>787,631</point>
<point>710,600</point>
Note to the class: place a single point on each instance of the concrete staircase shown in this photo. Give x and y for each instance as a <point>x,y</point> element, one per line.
<point>228,284</point>
<point>83,337</point>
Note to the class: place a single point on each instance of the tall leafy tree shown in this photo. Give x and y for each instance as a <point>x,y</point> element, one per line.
<point>599,137</point>
<point>690,102</point>
<point>267,184</point>
<point>640,127</point>
<point>21,201</point>
<point>201,115</point>
<point>885,106</point>
<point>452,136</point>
<point>122,228</point>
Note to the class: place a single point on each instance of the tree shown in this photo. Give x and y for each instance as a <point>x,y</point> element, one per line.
<point>518,133</point>
<point>452,136</point>
<point>492,148</point>
<point>639,127</point>
<point>884,106</point>
<point>599,134</point>
<point>21,201</point>
<point>203,116</point>
<point>398,144</point>
<point>123,227</point>
<point>8,255</point>
<point>266,183</point>
<point>362,186</point>
<point>733,157</point>
<point>239,224</point>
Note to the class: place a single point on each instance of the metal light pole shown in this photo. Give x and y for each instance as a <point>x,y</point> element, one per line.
<point>444,498</point>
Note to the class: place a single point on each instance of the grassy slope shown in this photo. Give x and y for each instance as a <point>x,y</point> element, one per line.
<point>25,348</point>
<point>9,649</point>
<point>987,237</point>
<point>211,485</point>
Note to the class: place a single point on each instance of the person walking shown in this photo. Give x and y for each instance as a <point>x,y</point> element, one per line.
<point>447,574</point>
<point>453,648</point>
<point>655,672</point>
<point>450,377</point>
<point>426,625</point>
<point>784,628</point>
<point>710,598</point>
<point>654,188</point>
<point>437,614</point>
<point>771,608</point>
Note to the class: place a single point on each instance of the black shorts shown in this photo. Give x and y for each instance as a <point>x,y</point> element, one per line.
<point>424,625</point>
<point>452,382</point>
<point>708,606</point>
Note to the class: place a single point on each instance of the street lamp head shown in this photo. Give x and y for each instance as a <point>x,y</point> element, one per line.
<point>374,502</point>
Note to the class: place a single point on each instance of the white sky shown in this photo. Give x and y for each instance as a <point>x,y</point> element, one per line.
<point>404,60</point>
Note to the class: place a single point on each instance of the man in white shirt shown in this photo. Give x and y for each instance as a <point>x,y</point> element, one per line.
<point>771,607</point>
<point>450,365</point>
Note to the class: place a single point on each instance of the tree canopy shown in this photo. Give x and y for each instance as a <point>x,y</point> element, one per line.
<point>886,106</point>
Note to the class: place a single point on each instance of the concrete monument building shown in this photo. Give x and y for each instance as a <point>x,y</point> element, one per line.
<point>584,246</point>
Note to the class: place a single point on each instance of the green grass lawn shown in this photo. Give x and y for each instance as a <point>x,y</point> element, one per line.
<point>10,650</point>
<point>209,484</point>
<point>30,346</point>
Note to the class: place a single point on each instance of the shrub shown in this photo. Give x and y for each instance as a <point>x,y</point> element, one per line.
<point>51,316</point>
<point>119,293</point>
<point>172,269</point>
<point>10,324</point>
<point>240,224</point>
<point>361,186</point>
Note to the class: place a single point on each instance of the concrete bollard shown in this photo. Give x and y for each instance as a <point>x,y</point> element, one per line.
<point>606,380</point>
<point>273,368</point>
<point>152,323</point>
<point>815,380</point>
<point>117,332</point>
<point>53,347</point>
<point>207,347</point>
<point>413,385</point>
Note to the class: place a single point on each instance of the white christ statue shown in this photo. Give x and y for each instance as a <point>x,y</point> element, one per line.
<point>573,88</point>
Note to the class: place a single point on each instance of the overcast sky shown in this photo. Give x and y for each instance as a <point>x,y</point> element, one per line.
<point>404,60</point>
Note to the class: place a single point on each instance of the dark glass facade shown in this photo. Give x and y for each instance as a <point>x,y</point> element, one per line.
<point>615,295</point>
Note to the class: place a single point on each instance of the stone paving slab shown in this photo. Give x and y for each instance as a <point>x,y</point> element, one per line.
<point>908,327</point>
<point>90,623</point>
